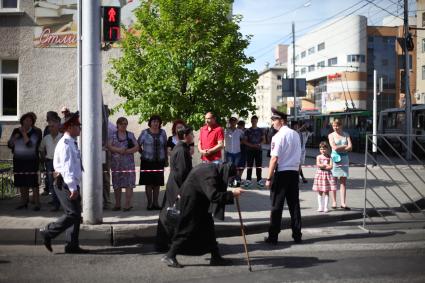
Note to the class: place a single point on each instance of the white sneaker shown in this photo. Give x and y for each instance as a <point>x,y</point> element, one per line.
<point>320,209</point>
<point>325,210</point>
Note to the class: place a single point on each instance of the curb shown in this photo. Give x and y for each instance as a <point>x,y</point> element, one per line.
<point>118,235</point>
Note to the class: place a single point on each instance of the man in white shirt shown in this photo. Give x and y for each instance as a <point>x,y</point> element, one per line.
<point>284,164</point>
<point>232,143</point>
<point>47,150</point>
<point>68,172</point>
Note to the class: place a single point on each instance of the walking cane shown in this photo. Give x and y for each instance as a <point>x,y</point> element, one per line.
<point>243,234</point>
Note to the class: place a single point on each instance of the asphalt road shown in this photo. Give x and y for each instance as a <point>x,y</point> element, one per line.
<point>338,253</point>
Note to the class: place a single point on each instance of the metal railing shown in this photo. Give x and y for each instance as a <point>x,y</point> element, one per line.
<point>394,187</point>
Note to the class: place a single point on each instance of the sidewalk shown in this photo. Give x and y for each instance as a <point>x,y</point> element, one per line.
<point>139,225</point>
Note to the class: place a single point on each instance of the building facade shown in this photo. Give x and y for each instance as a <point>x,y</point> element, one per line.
<point>338,58</point>
<point>269,93</point>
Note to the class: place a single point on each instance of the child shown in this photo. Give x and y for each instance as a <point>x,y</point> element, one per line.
<point>324,182</point>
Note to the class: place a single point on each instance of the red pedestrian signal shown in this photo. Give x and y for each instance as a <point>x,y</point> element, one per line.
<point>111,23</point>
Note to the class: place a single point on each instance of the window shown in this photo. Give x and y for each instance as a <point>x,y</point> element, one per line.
<point>297,58</point>
<point>320,46</point>
<point>303,54</point>
<point>8,89</point>
<point>279,87</point>
<point>356,58</point>
<point>311,68</point>
<point>423,45</point>
<point>8,4</point>
<point>297,73</point>
<point>303,71</point>
<point>321,64</point>
<point>279,77</point>
<point>311,50</point>
<point>333,61</point>
<point>423,72</point>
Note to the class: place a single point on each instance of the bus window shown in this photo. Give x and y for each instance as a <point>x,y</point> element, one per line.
<point>419,122</point>
<point>401,120</point>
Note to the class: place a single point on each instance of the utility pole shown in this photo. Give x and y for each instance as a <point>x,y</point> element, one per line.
<point>91,112</point>
<point>293,66</point>
<point>408,104</point>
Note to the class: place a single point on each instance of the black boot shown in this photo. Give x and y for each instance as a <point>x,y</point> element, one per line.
<point>218,260</point>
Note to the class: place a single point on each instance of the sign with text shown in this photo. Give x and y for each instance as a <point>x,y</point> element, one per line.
<point>288,88</point>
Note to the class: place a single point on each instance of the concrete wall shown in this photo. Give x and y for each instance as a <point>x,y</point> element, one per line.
<point>47,76</point>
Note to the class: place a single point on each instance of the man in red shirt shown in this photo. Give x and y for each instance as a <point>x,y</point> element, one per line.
<point>211,139</point>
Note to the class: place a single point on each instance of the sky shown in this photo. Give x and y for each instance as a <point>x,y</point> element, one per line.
<point>269,21</point>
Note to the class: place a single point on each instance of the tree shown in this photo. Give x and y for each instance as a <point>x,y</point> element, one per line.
<point>183,59</point>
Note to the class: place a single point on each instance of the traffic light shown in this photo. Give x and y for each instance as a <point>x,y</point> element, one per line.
<point>111,23</point>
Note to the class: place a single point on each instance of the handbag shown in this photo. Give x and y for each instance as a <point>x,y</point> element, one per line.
<point>173,214</point>
<point>335,157</point>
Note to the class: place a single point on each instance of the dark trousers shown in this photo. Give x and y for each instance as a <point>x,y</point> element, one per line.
<point>252,155</point>
<point>49,174</point>
<point>285,186</point>
<point>70,221</point>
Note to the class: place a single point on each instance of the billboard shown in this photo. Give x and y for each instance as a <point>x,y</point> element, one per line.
<point>57,20</point>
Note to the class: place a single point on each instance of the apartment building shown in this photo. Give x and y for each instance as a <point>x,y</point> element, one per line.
<point>269,92</point>
<point>337,59</point>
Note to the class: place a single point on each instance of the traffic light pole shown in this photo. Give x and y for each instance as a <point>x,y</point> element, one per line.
<point>294,76</point>
<point>91,113</point>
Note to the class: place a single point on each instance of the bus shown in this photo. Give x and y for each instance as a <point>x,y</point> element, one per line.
<point>393,121</point>
<point>355,122</point>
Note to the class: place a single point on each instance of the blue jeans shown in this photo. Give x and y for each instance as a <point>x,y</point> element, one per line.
<point>49,171</point>
<point>233,158</point>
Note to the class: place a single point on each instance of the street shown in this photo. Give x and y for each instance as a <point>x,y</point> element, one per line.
<point>340,252</point>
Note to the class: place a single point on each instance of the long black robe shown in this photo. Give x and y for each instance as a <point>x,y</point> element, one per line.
<point>205,185</point>
<point>180,166</point>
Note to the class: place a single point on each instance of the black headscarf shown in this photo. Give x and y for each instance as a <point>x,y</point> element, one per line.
<point>225,172</point>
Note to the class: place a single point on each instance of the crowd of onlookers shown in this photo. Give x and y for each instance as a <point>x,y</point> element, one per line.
<point>241,146</point>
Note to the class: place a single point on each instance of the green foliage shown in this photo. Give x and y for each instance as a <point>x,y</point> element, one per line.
<point>182,59</point>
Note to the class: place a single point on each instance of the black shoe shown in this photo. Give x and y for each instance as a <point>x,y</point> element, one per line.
<point>171,262</point>
<point>149,207</point>
<point>54,209</point>
<point>305,181</point>
<point>219,261</point>
<point>22,206</point>
<point>270,241</point>
<point>47,241</point>
<point>36,208</point>
<point>156,207</point>
<point>45,193</point>
<point>345,207</point>
<point>298,240</point>
<point>76,250</point>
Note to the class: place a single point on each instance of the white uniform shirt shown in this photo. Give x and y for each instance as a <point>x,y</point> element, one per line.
<point>48,145</point>
<point>67,161</point>
<point>286,145</point>
<point>232,140</point>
